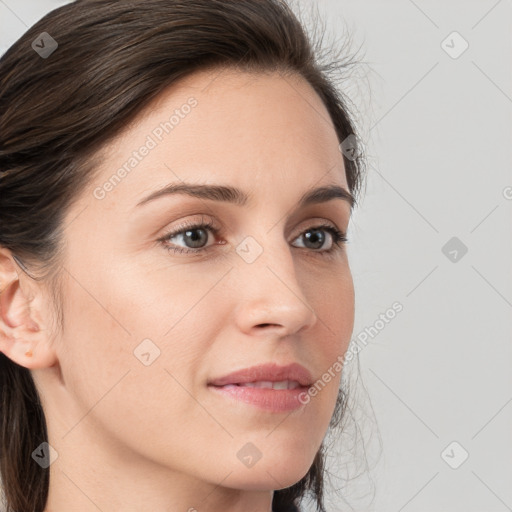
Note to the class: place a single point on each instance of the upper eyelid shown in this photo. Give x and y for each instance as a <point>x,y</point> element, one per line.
<point>216,226</point>
<point>210,226</point>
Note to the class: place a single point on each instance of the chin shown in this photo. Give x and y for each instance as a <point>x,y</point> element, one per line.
<point>263,481</point>
<point>270,474</point>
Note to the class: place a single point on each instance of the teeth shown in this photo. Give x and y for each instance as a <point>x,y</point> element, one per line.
<point>260,384</point>
<point>284,384</point>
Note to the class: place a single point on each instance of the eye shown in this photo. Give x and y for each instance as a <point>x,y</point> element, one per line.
<point>195,238</point>
<point>194,235</point>
<point>315,238</point>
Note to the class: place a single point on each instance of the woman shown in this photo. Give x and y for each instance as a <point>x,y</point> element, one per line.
<point>177,179</point>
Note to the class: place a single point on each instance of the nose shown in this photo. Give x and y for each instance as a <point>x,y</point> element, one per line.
<point>270,297</point>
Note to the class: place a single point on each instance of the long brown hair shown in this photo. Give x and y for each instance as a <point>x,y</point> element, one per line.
<point>57,111</point>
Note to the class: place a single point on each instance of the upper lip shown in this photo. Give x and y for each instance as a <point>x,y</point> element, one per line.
<point>266,372</point>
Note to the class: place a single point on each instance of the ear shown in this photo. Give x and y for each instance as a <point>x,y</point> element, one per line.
<point>23,317</point>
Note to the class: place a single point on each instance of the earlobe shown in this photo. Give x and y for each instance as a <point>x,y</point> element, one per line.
<point>22,339</point>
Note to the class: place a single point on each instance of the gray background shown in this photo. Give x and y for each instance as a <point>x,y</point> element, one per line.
<point>437,132</point>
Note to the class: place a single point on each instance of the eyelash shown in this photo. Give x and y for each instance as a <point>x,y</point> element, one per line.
<point>339,238</point>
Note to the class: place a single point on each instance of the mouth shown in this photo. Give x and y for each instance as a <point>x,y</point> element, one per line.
<point>271,397</point>
<point>265,384</point>
<point>270,375</point>
<point>269,387</point>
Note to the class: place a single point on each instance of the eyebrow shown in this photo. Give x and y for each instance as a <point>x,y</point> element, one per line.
<point>238,197</point>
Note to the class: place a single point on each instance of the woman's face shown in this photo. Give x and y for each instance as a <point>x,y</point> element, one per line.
<point>147,328</point>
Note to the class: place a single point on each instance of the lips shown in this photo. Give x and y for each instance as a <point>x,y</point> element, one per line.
<point>266,375</point>
<point>267,384</point>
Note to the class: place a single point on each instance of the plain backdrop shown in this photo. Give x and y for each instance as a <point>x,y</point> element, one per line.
<point>432,408</point>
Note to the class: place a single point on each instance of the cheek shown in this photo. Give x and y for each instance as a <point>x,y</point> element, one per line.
<point>334,305</point>
<point>333,300</point>
<point>119,366</point>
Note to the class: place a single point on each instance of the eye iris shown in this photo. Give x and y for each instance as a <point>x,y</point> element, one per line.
<point>194,239</point>
<point>316,236</point>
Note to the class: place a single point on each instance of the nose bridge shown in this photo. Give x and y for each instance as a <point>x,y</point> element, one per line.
<point>270,291</point>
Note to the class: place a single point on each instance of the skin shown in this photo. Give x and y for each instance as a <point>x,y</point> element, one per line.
<point>135,437</point>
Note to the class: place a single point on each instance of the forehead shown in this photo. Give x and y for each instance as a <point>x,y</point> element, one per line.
<point>227,126</point>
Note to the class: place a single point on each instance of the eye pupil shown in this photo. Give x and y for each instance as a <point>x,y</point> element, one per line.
<point>194,239</point>
<point>316,236</point>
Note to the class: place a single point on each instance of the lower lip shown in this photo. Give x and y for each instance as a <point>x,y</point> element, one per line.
<point>273,400</point>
